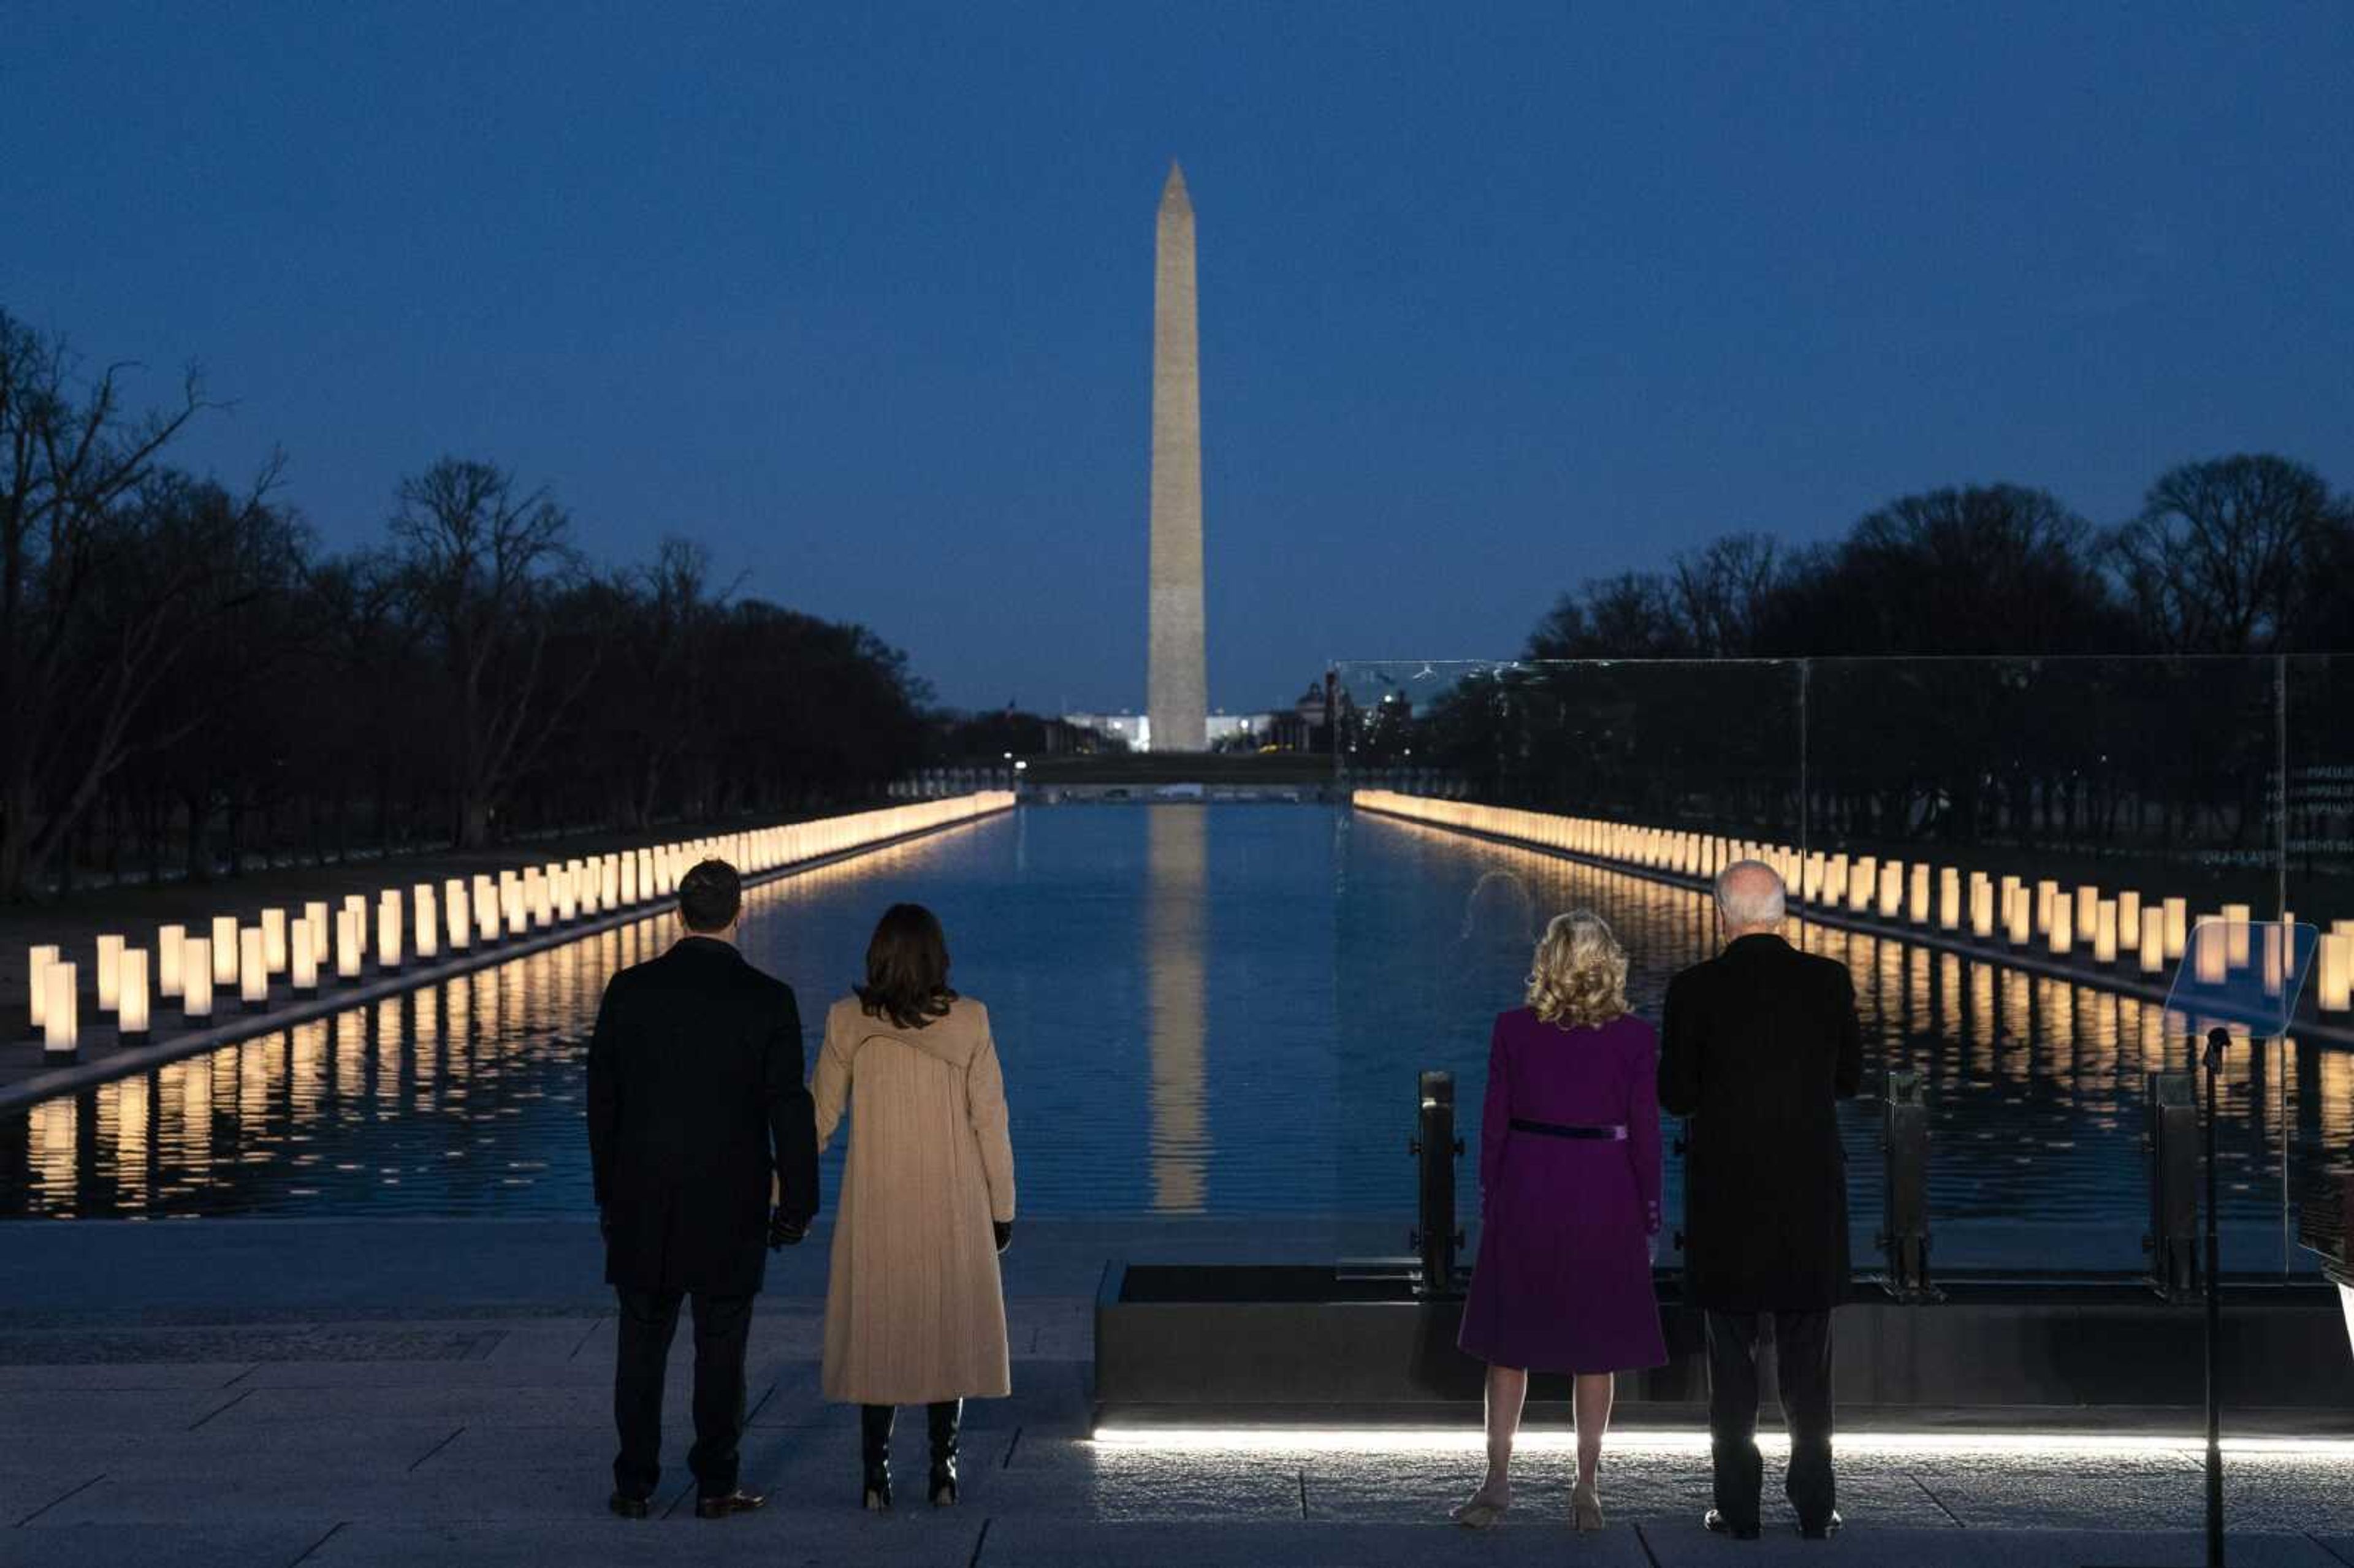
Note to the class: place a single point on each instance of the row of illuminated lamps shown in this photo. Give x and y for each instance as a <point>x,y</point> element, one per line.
<point>2044,914</point>
<point>304,948</point>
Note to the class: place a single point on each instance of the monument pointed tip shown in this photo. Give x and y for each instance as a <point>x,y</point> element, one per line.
<point>1173,192</point>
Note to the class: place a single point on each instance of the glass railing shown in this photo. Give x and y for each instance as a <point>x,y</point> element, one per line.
<point>1985,844</point>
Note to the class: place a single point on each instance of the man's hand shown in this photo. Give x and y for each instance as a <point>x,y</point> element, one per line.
<point>1004,1229</point>
<point>784,1231</point>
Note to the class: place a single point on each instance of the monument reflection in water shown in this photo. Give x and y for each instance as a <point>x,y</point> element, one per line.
<point>1176,927</point>
<point>1203,1010</point>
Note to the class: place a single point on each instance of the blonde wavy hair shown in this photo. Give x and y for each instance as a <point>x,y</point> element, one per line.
<point>1579,978</point>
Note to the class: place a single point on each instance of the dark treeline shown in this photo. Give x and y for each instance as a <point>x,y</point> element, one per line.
<point>188,682</point>
<point>1821,686</point>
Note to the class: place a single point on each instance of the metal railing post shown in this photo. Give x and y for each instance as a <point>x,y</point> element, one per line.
<point>1435,1148</point>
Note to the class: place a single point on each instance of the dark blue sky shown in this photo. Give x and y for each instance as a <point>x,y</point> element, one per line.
<point>1493,297</point>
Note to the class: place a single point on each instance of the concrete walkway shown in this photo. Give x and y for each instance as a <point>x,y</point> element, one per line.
<point>358,1392</point>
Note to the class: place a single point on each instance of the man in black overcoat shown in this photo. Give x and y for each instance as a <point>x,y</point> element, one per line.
<point>1758,1047</point>
<point>696,1102</point>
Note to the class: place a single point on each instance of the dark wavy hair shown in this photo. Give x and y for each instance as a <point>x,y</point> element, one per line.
<point>906,968</point>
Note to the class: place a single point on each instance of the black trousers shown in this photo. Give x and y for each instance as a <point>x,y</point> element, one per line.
<point>1802,1365</point>
<point>722,1327</point>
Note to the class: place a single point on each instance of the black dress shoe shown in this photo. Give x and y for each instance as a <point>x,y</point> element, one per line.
<point>628,1507</point>
<point>737,1501</point>
<point>1824,1530</point>
<point>1719,1525</point>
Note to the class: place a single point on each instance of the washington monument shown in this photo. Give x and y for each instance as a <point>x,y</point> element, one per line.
<point>1176,684</point>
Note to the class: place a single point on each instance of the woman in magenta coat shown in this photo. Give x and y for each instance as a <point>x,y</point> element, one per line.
<point>1569,1182</point>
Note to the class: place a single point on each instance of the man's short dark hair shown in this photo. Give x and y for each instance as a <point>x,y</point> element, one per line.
<point>710,895</point>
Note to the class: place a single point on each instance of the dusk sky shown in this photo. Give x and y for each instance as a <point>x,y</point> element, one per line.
<point>1493,299</point>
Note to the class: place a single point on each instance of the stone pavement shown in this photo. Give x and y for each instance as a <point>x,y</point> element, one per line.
<point>255,1392</point>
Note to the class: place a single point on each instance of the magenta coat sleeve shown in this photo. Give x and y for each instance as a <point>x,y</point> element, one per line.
<point>1495,1113</point>
<point>1643,1124</point>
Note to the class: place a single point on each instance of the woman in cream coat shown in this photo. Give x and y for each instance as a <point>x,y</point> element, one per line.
<point>915,1313</point>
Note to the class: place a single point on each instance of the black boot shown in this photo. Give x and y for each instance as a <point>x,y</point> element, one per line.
<point>875,1447</point>
<point>944,1417</point>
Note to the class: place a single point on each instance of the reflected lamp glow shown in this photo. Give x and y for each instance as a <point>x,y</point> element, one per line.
<point>197,978</point>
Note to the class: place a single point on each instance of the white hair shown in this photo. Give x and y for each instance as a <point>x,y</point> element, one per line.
<point>1750,893</point>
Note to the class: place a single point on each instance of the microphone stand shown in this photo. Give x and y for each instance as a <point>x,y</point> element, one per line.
<point>2217,1041</point>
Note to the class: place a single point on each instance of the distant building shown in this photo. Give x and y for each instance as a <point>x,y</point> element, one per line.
<point>1136,729</point>
<point>1307,725</point>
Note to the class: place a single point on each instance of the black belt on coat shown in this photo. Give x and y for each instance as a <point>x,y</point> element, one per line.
<point>1565,1129</point>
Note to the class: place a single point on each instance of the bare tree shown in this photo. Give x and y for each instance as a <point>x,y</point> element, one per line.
<point>108,568</point>
<point>1722,593</point>
<point>484,566</point>
<point>2226,554</point>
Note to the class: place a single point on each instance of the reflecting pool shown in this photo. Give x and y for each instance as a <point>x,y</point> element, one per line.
<point>1203,1010</point>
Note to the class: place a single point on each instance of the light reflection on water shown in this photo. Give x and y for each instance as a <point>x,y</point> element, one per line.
<point>1202,1010</point>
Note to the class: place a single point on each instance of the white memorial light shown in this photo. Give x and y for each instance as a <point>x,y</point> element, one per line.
<point>197,978</point>
<point>429,920</point>
<point>109,973</point>
<point>224,950</point>
<point>349,948</point>
<point>37,962</point>
<point>304,970</point>
<point>171,943</point>
<point>273,941</point>
<point>132,1017</point>
<point>60,1012</point>
<point>387,931</point>
<point>252,969</point>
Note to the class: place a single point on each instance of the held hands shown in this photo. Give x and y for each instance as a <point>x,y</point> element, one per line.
<point>784,1231</point>
<point>1004,1230</point>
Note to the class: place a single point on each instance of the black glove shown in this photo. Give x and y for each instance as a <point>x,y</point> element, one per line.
<point>1004,1229</point>
<point>785,1230</point>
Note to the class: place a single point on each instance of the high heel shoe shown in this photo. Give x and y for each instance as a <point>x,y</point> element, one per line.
<point>942,1418</point>
<point>875,1453</point>
<point>1586,1504</point>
